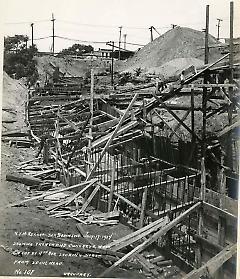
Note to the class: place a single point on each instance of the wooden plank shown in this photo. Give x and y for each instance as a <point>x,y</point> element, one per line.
<point>162,222</point>
<point>112,136</point>
<point>149,226</point>
<point>205,69</point>
<point>53,192</point>
<point>148,266</point>
<point>89,199</point>
<point>208,85</point>
<point>177,126</point>
<point>153,238</point>
<point>229,128</point>
<point>220,212</point>
<point>208,244</point>
<point>157,259</point>
<point>121,197</point>
<point>70,123</point>
<point>175,116</point>
<point>210,267</point>
<point>105,138</point>
<point>71,199</point>
<point>25,179</point>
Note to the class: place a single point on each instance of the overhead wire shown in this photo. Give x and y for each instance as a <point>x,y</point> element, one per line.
<point>42,38</point>
<point>26,22</point>
<point>78,40</point>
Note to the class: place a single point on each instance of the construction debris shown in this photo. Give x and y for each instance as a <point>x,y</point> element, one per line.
<point>153,157</point>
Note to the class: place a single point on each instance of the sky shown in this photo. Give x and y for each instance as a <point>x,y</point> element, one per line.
<point>98,22</point>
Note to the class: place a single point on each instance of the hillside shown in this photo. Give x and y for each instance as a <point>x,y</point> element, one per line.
<point>68,66</point>
<point>13,103</point>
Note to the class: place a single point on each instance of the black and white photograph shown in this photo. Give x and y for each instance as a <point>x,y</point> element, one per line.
<point>120,136</point>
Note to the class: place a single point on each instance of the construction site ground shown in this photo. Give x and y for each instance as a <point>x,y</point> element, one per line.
<point>29,255</point>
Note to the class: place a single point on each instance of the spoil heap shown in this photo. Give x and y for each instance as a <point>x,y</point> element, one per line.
<point>173,51</point>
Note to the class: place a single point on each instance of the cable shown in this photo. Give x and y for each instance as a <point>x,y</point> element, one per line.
<point>85,24</point>
<point>42,38</point>
<point>77,40</point>
<point>134,44</point>
<point>99,25</point>
<point>27,22</point>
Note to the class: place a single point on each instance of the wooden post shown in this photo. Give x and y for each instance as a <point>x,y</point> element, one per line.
<point>230,109</point>
<point>120,37</point>
<point>53,34</point>
<point>221,229</point>
<point>138,160</point>
<point>56,143</point>
<point>231,43</point>
<point>200,223</point>
<point>112,184</point>
<point>206,55</point>
<point>192,114</point>
<point>32,32</point>
<point>151,32</point>
<point>221,221</point>
<point>204,121</point>
<point>153,136</point>
<point>90,122</point>
<point>112,80</point>
<point>144,110</point>
<point>143,208</point>
<point>46,152</point>
<point>204,98</point>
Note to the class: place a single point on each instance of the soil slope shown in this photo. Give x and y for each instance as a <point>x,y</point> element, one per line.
<point>180,47</point>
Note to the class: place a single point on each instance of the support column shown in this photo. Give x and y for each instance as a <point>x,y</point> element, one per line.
<point>221,221</point>
<point>143,208</point>
<point>200,223</point>
<point>112,184</point>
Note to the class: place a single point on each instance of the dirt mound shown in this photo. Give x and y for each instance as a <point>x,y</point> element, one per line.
<point>13,103</point>
<point>173,47</point>
<point>175,66</point>
<point>68,66</point>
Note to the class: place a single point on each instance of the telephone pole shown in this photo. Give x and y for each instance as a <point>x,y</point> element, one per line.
<point>218,27</point>
<point>151,31</point>
<point>124,40</point>
<point>53,33</point>
<point>32,33</point>
<point>112,81</point>
<point>120,36</point>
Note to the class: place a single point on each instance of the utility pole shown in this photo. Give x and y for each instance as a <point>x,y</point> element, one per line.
<point>151,31</point>
<point>204,98</point>
<point>32,33</point>
<point>203,155</point>
<point>124,40</point>
<point>53,33</point>
<point>231,43</point>
<point>26,43</point>
<point>218,27</point>
<point>173,25</point>
<point>112,81</point>
<point>206,35</point>
<point>120,36</point>
<point>230,110</point>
